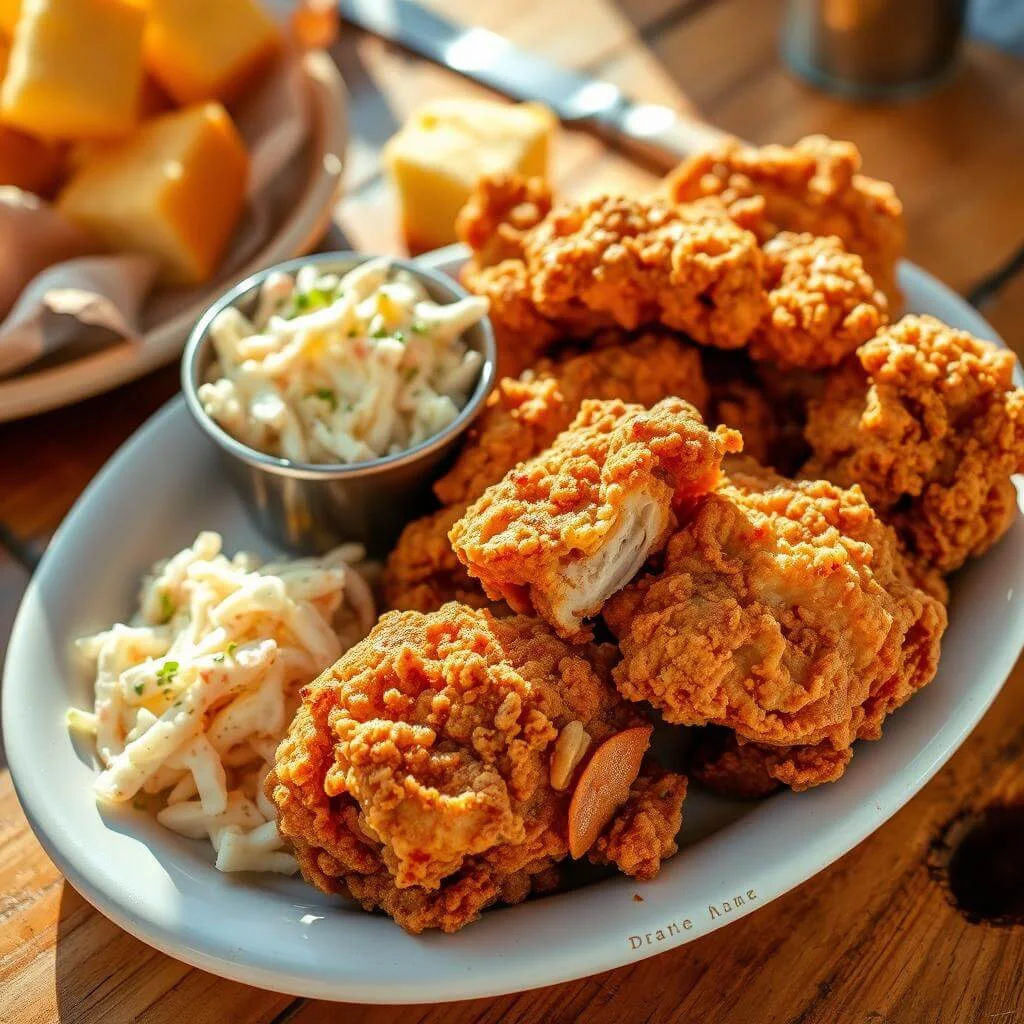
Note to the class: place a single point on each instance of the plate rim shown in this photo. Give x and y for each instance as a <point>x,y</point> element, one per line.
<point>833,841</point>
<point>33,392</point>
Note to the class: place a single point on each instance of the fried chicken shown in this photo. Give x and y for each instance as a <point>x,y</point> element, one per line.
<point>521,333</point>
<point>814,187</point>
<point>784,611</point>
<point>564,531</point>
<point>927,420</point>
<point>636,262</point>
<point>609,261</point>
<point>721,762</point>
<point>419,774</point>
<point>525,415</point>
<point>822,303</point>
<point>497,214</point>
<point>740,404</point>
<point>422,572</point>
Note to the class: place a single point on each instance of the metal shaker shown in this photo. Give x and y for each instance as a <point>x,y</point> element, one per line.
<point>873,49</point>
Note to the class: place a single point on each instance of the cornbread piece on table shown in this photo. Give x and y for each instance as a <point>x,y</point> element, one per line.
<point>447,146</point>
<point>75,69</point>
<point>926,419</point>
<point>175,190</point>
<point>814,187</point>
<point>450,761</point>
<point>785,611</point>
<point>203,50</point>
<point>564,531</point>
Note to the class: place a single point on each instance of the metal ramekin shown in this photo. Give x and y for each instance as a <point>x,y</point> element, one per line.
<point>308,507</point>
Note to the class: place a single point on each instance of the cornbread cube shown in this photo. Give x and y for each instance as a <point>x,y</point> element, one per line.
<point>203,50</point>
<point>175,190</point>
<point>447,145</point>
<point>75,69</point>
<point>10,10</point>
<point>25,161</point>
<point>152,101</point>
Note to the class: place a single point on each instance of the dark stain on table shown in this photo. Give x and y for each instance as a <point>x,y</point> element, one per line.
<point>978,858</point>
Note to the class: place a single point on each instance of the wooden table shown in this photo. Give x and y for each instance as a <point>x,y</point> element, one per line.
<point>874,938</point>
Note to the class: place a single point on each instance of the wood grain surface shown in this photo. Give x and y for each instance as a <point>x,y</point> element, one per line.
<point>875,938</point>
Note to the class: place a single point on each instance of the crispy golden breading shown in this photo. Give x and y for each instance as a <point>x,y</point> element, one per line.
<point>740,404</point>
<point>562,532</point>
<point>822,303</point>
<point>499,210</point>
<point>719,761</point>
<point>422,572</point>
<point>525,415</point>
<point>521,334</point>
<point>417,775</point>
<point>644,833</point>
<point>784,611</point>
<point>927,420</point>
<point>638,262</point>
<point>814,187</point>
<point>576,269</point>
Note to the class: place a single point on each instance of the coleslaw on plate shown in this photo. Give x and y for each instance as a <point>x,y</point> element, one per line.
<point>192,695</point>
<point>341,369</point>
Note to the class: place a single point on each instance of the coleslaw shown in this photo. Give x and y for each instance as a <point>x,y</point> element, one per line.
<point>341,370</point>
<point>192,696</point>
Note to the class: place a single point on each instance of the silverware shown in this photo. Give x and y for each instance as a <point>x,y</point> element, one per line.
<point>649,131</point>
<point>309,507</point>
<point>873,49</point>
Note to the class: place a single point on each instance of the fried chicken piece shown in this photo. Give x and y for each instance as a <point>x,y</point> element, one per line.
<point>422,572</point>
<point>927,420</point>
<point>822,303</point>
<point>644,833</point>
<point>722,762</point>
<point>525,415</point>
<point>786,612</point>
<point>521,333</point>
<point>578,268</point>
<point>740,404</point>
<point>637,262</point>
<point>814,187</point>
<point>561,533</point>
<point>417,775</point>
<point>498,212</point>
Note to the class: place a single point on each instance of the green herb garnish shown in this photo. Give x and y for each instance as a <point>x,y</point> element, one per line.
<point>167,606</point>
<point>167,670</point>
<point>418,328</point>
<point>306,302</point>
<point>232,647</point>
<point>380,332</point>
<point>328,396</point>
<point>219,658</point>
<point>139,687</point>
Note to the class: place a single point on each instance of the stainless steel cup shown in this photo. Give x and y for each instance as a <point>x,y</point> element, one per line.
<point>309,507</point>
<point>873,49</point>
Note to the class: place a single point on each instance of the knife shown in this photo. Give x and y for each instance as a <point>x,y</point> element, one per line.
<point>656,134</point>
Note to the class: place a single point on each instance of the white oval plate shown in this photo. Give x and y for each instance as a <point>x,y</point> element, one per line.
<point>35,391</point>
<point>152,498</point>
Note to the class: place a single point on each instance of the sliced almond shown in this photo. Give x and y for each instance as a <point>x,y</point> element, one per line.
<point>570,748</point>
<point>604,786</point>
